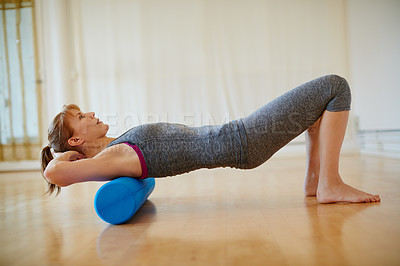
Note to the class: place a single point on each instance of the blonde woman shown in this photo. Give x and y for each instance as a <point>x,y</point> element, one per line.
<point>319,107</point>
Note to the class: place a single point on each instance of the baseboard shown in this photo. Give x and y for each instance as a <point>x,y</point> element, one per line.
<point>19,166</point>
<point>382,143</point>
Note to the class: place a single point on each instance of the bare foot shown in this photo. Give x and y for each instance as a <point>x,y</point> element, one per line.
<point>310,184</point>
<point>341,192</point>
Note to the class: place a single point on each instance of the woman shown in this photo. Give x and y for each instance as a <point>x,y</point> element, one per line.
<point>319,107</point>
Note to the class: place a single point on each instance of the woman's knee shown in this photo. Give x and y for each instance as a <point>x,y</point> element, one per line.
<point>340,85</point>
<point>341,93</point>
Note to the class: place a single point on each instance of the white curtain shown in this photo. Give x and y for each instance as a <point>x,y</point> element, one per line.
<point>195,62</point>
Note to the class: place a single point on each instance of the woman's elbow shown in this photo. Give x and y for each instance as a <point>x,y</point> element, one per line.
<point>54,175</point>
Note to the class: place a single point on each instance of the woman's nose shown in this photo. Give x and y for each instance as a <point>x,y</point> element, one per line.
<point>92,114</point>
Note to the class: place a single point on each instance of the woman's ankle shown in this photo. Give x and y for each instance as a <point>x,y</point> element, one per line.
<point>330,180</point>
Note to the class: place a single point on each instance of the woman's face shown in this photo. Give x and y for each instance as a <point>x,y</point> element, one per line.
<point>86,126</point>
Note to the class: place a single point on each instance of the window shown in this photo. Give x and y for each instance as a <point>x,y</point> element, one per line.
<point>19,91</point>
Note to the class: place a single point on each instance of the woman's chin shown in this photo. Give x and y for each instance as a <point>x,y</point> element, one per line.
<point>106,127</point>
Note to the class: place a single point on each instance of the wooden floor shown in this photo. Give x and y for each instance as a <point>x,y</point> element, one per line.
<point>208,217</point>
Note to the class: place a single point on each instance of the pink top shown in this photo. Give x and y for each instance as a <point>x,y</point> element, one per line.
<point>141,159</point>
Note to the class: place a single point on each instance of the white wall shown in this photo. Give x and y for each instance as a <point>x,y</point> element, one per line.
<point>374,60</point>
<point>184,57</point>
<point>374,67</point>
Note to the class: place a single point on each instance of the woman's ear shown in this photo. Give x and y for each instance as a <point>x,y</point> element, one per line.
<point>75,141</point>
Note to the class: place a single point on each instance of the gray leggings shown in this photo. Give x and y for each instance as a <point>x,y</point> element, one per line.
<point>171,149</point>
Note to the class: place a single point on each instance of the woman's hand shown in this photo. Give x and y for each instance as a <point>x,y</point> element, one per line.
<point>53,172</point>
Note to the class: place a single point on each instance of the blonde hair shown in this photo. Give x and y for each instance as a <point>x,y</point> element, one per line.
<point>58,134</point>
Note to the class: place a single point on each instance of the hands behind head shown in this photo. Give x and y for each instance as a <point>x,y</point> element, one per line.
<point>68,156</point>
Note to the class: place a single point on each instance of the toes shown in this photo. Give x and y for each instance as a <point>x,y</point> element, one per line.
<point>374,198</point>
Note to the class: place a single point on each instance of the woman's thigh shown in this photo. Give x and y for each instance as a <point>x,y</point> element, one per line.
<point>275,124</point>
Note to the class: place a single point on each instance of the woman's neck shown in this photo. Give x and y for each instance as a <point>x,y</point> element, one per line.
<point>92,148</point>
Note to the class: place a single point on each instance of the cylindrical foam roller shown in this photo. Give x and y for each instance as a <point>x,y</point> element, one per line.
<point>118,200</point>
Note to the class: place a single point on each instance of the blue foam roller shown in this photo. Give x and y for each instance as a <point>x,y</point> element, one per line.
<point>117,201</point>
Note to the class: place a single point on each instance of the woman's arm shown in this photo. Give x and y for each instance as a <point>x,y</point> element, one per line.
<point>70,167</point>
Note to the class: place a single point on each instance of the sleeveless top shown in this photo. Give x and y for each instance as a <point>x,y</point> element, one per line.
<point>168,149</point>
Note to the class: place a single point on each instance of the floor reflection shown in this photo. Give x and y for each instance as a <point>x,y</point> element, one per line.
<point>328,225</point>
<point>114,240</point>
<point>55,239</point>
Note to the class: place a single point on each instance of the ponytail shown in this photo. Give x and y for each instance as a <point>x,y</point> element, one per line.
<point>58,134</point>
<point>47,156</point>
